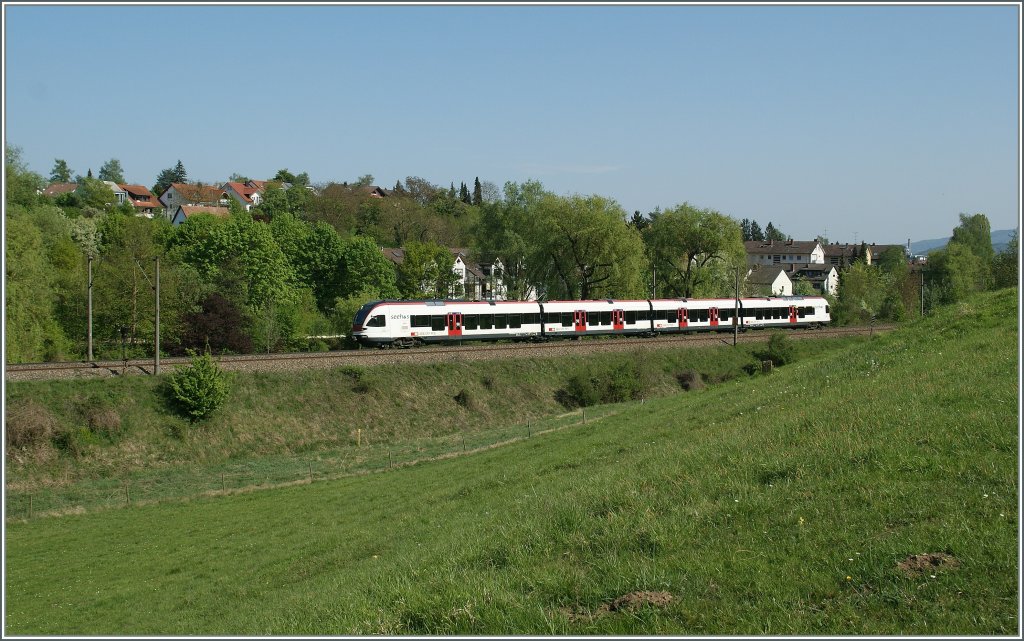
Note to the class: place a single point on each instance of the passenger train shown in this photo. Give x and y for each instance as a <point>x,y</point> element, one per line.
<point>393,323</point>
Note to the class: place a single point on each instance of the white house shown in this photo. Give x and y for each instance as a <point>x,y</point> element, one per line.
<point>825,278</point>
<point>479,281</point>
<point>781,252</point>
<point>248,194</point>
<point>773,281</point>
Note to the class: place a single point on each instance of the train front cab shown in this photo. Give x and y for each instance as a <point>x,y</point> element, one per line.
<point>370,327</point>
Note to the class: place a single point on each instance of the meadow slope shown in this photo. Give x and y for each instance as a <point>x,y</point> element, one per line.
<point>794,503</point>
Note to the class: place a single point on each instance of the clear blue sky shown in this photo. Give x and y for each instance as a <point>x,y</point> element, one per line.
<point>879,123</point>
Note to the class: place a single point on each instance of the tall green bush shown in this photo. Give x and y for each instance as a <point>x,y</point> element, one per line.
<point>200,387</point>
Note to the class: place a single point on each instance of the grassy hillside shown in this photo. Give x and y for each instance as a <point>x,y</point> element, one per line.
<point>121,428</point>
<point>868,491</point>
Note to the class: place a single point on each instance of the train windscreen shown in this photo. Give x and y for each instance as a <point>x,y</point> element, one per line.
<point>363,312</point>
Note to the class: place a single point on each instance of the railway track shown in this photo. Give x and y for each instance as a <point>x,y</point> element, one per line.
<point>434,353</point>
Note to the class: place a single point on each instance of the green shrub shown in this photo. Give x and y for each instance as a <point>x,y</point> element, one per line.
<point>780,350</point>
<point>200,387</point>
<point>621,383</point>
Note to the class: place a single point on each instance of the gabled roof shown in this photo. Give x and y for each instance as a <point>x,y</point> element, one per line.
<point>779,246</point>
<point>840,249</point>
<point>807,268</point>
<point>139,193</point>
<point>246,191</point>
<point>198,193</point>
<point>56,189</point>
<point>765,275</point>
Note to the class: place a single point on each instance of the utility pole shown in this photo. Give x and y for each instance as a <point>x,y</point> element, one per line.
<point>736,311</point>
<point>156,330</point>
<point>89,288</point>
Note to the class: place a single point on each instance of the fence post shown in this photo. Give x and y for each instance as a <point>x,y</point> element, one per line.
<point>223,485</point>
<point>127,496</point>
<point>390,464</point>
<point>310,471</point>
<point>29,506</point>
<point>584,416</point>
<point>528,434</point>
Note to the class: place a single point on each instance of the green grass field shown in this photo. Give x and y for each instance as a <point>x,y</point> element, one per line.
<point>780,504</point>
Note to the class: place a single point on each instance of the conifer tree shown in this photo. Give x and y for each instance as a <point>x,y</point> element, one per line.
<point>478,192</point>
<point>60,173</point>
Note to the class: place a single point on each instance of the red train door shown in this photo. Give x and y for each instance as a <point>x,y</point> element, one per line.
<point>792,313</point>
<point>684,319</point>
<point>617,319</point>
<point>713,314</point>
<point>455,324</point>
<point>580,320</point>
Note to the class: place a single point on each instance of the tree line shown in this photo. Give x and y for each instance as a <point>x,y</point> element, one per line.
<point>302,262</point>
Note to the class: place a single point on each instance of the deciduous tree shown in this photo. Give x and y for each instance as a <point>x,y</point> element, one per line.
<point>696,251</point>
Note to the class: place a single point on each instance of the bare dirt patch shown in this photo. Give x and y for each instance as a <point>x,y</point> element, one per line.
<point>626,602</point>
<point>917,564</point>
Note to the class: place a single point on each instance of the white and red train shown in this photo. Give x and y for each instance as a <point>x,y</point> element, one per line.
<point>390,323</point>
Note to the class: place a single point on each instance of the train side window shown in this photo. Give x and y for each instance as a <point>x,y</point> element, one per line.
<point>759,314</point>
<point>552,317</point>
<point>437,323</point>
<point>643,315</point>
<point>470,321</point>
<point>515,321</point>
<point>376,321</point>
<point>567,320</point>
<point>661,314</point>
<point>724,314</point>
<point>486,320</point>
<point>693,315</point>
<point>630,317</point>
<point>499,321</point>
<point>606,318</point>
<point>420,321</point>
<point>531,319</point>
<point>827,309</point>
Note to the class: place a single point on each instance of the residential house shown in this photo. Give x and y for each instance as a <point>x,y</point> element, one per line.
<point>179,194</point>
<point>249,194</point>
<point>842,255</point>
<point>142,199</point>
<point>184,211</point>
<point>770,281</point>
<point>373,191</point>
<point>783,252</point>
<point>824,278</point>
<point>120,195</point>
<point>478,280</point>
<point>56,189</point>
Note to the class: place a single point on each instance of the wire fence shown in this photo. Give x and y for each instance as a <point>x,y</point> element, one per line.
<point>180,483</point>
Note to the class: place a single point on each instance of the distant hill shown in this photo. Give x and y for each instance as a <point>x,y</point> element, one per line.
<point>1000,239</point>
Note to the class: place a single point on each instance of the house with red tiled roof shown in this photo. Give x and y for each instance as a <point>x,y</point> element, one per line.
<point>179,194</point>
<point>249,194</point>
<point>185,211</point>
<point>143,200</point>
